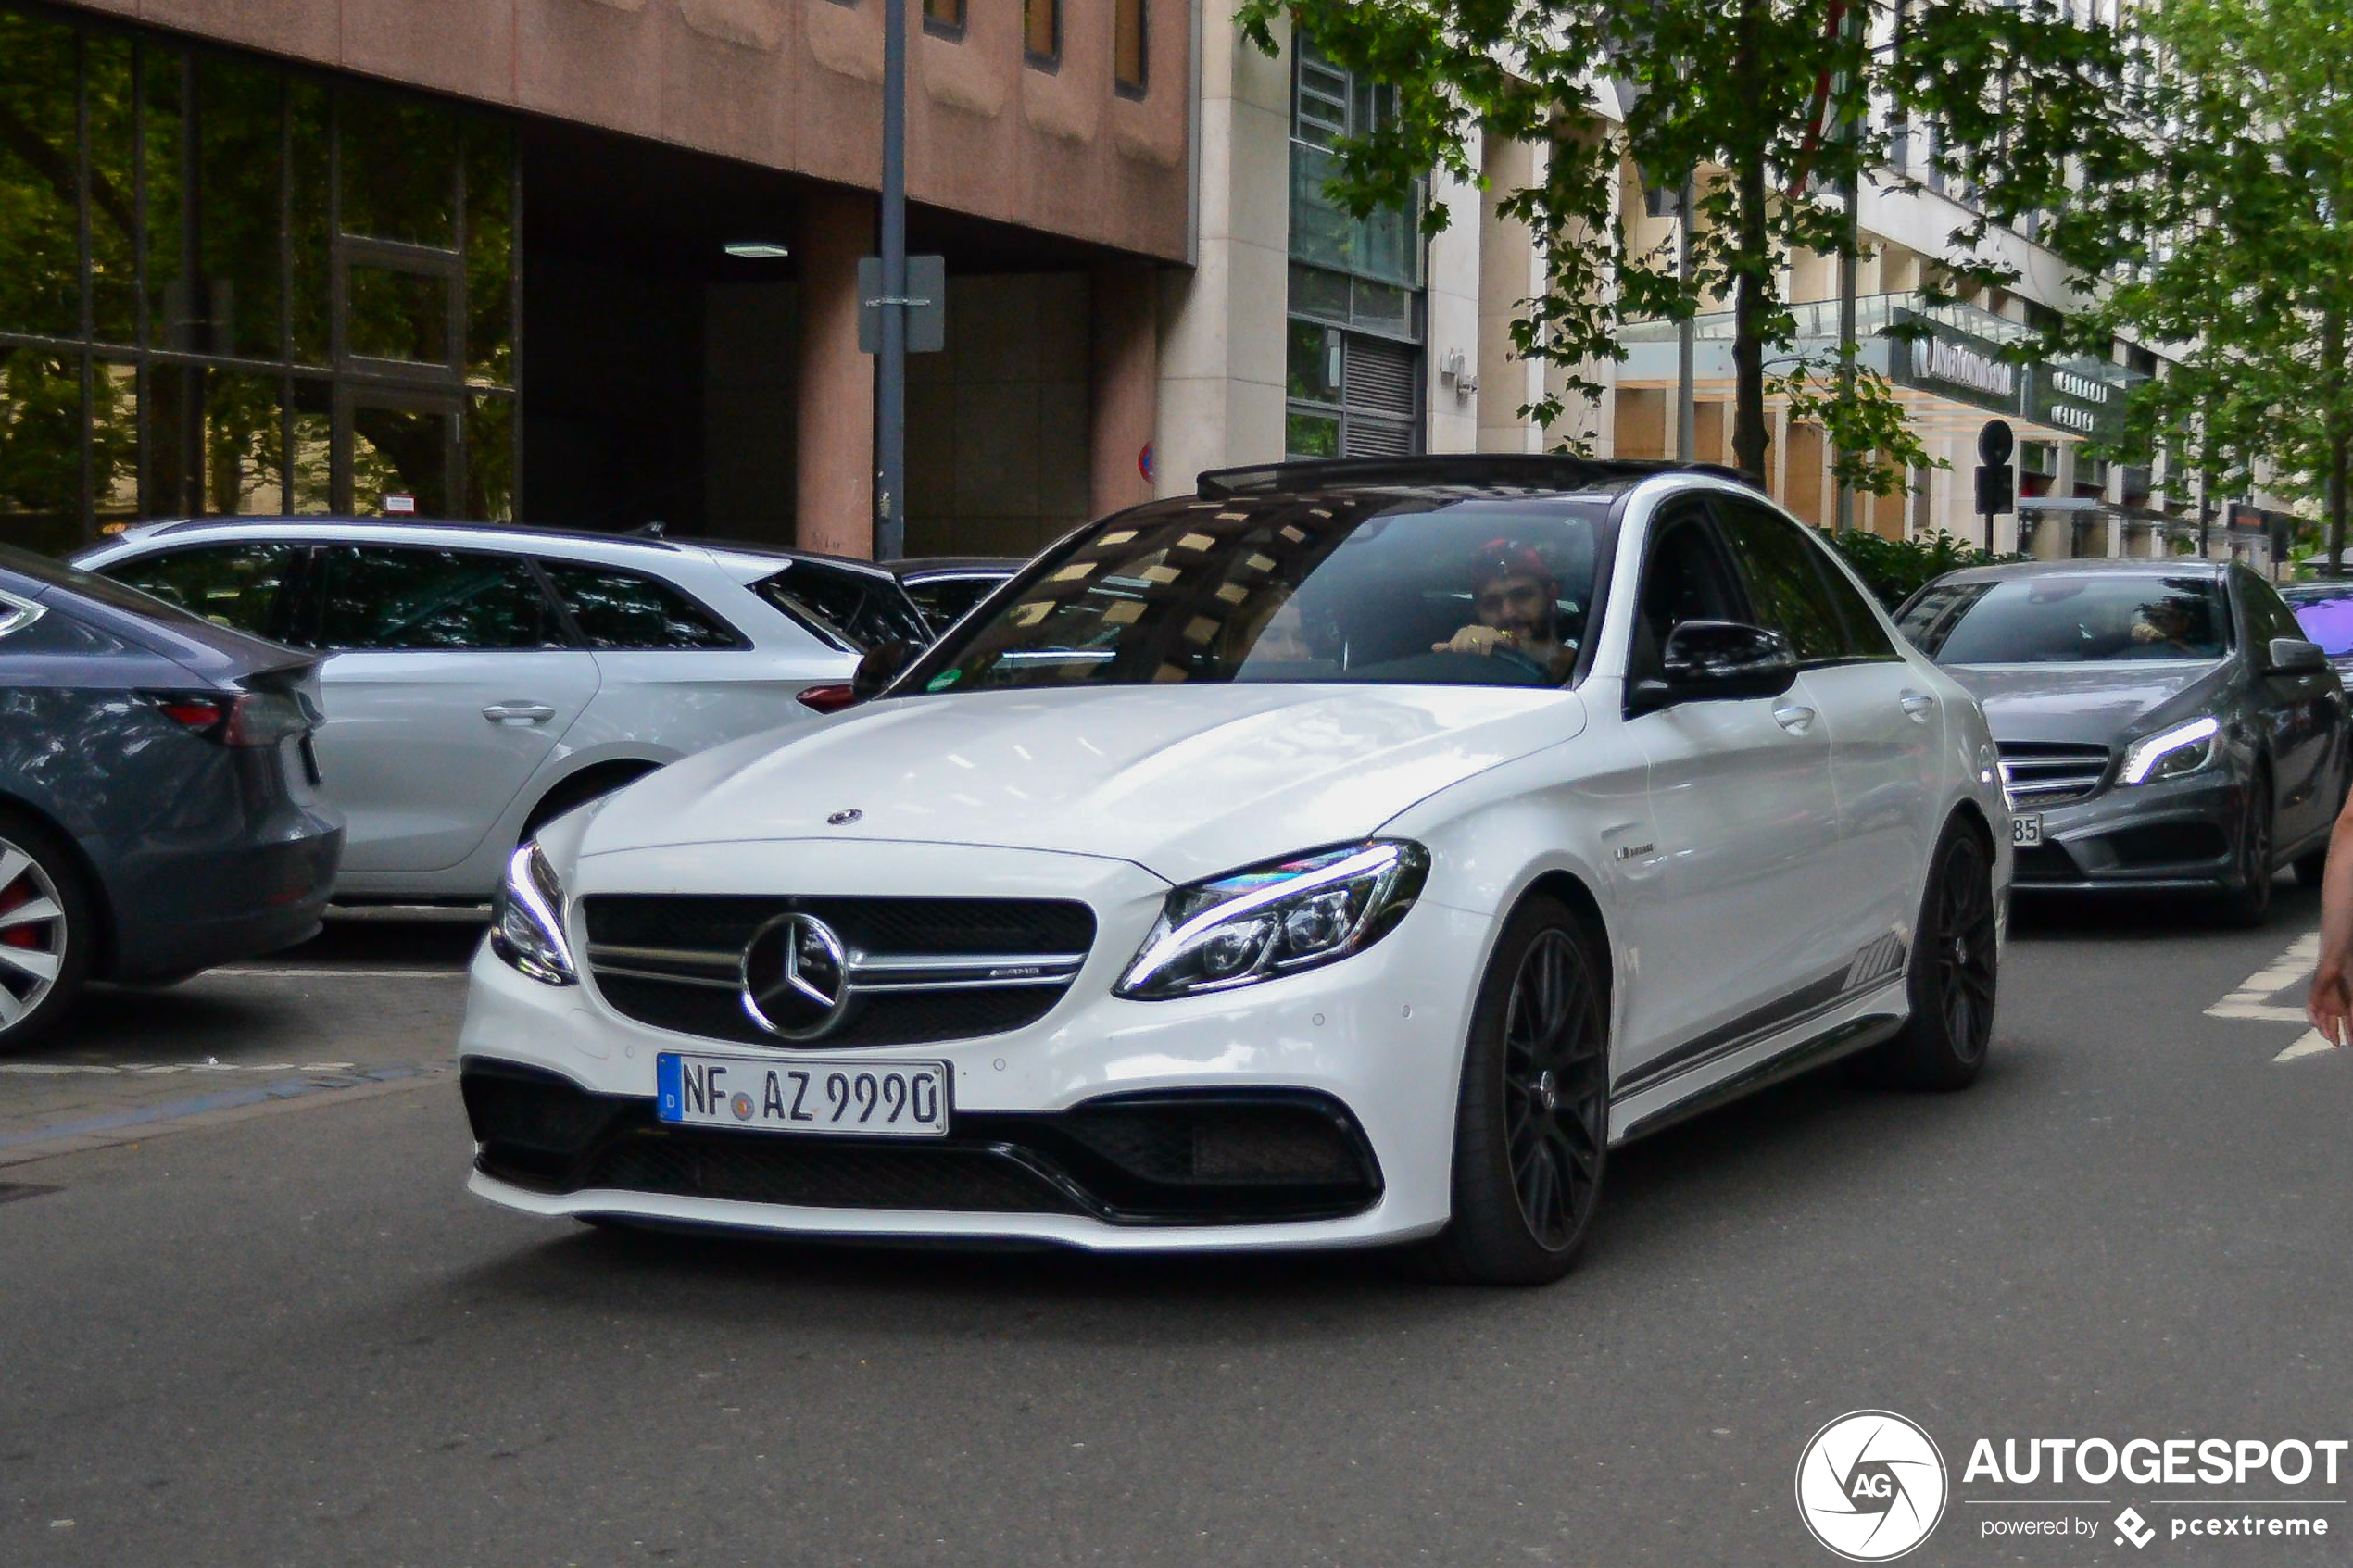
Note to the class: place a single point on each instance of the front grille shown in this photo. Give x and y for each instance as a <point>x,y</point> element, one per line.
<point>1195,1156</point>
<point>2037,773</point>
<point>2167,844</point>
<point>922,969</point>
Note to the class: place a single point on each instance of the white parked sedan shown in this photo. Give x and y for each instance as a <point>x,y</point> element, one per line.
<point>481,680</point>
<point>1351,855</point>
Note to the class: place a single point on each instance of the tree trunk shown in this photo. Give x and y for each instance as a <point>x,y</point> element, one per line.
<point>1749,434</point>
<point>2340,439</point>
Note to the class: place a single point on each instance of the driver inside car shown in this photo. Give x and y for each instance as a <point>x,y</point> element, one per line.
<point>1513,596</point>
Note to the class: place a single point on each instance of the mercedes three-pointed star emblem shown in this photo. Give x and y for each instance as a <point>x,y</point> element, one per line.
<point>795,977</point>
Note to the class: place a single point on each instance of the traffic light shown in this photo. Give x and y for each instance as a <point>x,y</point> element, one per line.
<point>1996,488</point>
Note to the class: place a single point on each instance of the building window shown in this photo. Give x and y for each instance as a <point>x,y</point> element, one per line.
<point>944,19</point>
<point>1041,31</point>
<point>295,295</point>
<point>1354,359</point>
<point>1128,56</point>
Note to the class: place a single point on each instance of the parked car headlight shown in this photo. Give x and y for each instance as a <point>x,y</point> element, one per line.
<point>527,921</point>
<point>2168,754</point>
<point>1276,919</point>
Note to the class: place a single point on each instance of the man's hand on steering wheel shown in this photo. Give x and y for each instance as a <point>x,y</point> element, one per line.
<point>1489,641</point>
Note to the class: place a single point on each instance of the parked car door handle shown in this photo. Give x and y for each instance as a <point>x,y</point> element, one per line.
<point>1916,705</point>
<point>1796,719</point>
<point>518,713</point>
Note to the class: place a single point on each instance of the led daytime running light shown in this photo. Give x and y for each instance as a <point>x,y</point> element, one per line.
<point>528,930</point>
<point>2146,754</point>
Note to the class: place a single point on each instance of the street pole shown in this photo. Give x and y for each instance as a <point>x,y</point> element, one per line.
<point>1848,187</point>
<point>1686,407</point>
<point>891,365</point>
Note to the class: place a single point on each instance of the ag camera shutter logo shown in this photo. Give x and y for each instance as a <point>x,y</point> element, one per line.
<point>1871,1486</point>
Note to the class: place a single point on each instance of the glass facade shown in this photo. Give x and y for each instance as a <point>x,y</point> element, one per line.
<point>231,287</point>
<point>1357,303</point>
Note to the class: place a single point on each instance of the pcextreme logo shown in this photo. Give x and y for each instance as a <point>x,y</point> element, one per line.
<point>1871,1486</point>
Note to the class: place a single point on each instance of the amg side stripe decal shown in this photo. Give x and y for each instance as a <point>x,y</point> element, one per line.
<point>1870,969</point>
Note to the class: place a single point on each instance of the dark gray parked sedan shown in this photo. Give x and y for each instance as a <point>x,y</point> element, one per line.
<point>2161,724</point>
<point>160,808</point>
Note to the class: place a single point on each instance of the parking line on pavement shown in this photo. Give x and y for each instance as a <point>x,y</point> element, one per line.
<point>157,1069</point>
<point>94,1128</point>
<point>343,971</point>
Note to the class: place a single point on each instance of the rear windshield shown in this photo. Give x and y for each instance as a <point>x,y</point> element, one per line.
<point>90,585</point>
<point>858,609</point>
<point>2069,618</point>
<point>2327,618</point>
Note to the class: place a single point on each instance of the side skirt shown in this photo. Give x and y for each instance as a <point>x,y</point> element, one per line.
<point>1802,1056</point>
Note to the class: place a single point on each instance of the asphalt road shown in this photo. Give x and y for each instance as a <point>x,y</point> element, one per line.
<point>282,1334</point>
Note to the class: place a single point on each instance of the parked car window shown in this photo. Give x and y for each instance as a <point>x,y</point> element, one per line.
<point>104,589</point>
<point>402,597</point>
<point>1374,591</point>
<point>2054,618</point>
<point>2326,614</point>
<point>618,610</point>
<point>859,608</point>
<point>944,600</point>
<point>235,585</point>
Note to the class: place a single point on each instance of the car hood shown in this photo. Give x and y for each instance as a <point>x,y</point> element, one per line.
<point>1185,781</point>
<point>2094,704</point>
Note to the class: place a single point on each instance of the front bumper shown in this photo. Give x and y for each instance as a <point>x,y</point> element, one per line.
<point>1316,1110</point>
<point>2177,834</point>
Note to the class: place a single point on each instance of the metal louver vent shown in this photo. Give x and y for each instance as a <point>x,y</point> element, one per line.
<point>1380,377</point>
<point>1375,438</point>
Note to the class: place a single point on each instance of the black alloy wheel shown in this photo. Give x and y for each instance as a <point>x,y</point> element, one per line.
<point>1953,978</point>
<point>2248,903</point>
<point>1532,1122</point>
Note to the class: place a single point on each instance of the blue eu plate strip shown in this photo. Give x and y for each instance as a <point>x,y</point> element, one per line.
<point>670,1101</point>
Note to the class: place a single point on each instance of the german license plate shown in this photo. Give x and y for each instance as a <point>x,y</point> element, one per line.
<point>2026,829</point>
<point>845,1097</point>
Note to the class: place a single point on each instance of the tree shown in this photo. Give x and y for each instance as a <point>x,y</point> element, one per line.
<point>1771,105</point>
<point>2229,238</point>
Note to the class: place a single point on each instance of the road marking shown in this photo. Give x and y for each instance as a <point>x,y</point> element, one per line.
<point>122,1126</point>
<point>348,972</point>
<point>2252,999</point>
<point>146,1069</point>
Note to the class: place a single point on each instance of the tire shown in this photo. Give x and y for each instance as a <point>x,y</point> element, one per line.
<point>1953,978</point>
<point>44,960</point>
<point>2249,902</point>
<point>1531,1119</point>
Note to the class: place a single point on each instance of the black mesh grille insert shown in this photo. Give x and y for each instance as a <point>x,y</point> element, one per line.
<point>896,927</point>
<point>1193,1157</point>
<point>2044,862</point>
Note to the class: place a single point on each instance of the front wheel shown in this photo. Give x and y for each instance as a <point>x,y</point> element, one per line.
<point>1531,1125</point>
<point>1953,978</point>
<point>2249,902</point>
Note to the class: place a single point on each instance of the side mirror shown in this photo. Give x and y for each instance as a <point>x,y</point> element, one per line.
<point>880,666</point>
<point>2294,656</point>
<point>1716,661</point>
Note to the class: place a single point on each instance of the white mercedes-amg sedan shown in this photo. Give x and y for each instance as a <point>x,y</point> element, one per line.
<point>1351,855</point>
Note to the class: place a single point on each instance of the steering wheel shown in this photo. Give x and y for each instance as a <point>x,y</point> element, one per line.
<point>1526,660</point>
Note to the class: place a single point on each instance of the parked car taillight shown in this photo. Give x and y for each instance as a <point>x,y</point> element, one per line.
<point>246,719</point>
<point>827,700</point>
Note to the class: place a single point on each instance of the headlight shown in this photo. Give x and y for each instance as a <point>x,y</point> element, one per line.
<point>527,921</point>
<point>1276,919</point>
<point>2168,754</point>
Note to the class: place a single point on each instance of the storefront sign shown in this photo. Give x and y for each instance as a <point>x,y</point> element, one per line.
<point>2075,400</point>
<point>1957,364</point>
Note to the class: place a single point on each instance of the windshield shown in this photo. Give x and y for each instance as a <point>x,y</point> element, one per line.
<point>2069,618</point>
<point>2326,616</point>
<point>1485,591</point>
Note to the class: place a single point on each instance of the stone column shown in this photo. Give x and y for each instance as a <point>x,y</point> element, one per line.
<point>836,401</point>
<point>1221,322</point>
<point>1124,364</point>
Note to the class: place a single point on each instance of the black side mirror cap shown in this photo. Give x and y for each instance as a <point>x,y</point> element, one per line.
<point>1716,661</point>
<point>2294,656</point>
<point>879,667</point>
